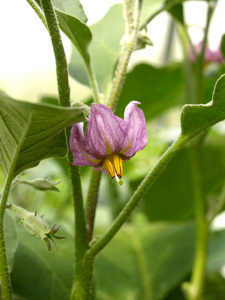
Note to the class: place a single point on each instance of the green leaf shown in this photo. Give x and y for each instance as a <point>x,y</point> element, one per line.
<point>177,12</point>
<point>156,88</point>
<point>171,197</point>
<point>71,7</point>
<point>104,49</point>
<point>33,132</point>
<point>197,118</point>
<point>40,275</point>
<point>144,262</point>
<point>79,34</point>
<point>214,287</point>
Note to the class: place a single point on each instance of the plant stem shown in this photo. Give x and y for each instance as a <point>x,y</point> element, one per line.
<point>60,57</point>
<point>130,39</point>
<point>201,58</point>
<point>194,289</point>
<point>93,82</point>
<point>186,44</point>
<point>91,203</point>
<point>80,286</point>
<point>138,195</point>
<point>4,271</point>
<point>38,11</point>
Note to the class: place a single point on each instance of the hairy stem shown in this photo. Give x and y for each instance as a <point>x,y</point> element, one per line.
<point>91,203</point>
<point>38,11</point>
<point>194,289</point>
<point>4,271</point>
<point>80,286</point>
<point>60,57</point>
<point>129,42</point>
<point>138,195</point>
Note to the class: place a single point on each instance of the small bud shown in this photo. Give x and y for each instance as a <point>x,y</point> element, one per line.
<point>36,225</point>
<point>142,41</point>
<point>41,184</point>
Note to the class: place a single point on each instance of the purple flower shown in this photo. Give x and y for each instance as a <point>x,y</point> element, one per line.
<point>211,56</point>
<point>108,139</point>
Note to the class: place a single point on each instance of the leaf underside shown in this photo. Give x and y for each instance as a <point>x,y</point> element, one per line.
<point>43,125</point>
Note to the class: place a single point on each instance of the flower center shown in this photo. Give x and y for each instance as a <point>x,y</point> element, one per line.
<point>114,166</point>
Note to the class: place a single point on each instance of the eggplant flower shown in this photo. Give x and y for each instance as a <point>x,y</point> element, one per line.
<point>108,139</point>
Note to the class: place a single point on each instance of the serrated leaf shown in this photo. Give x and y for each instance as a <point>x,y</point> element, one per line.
<point>33,132</point>
<point>196,118</point>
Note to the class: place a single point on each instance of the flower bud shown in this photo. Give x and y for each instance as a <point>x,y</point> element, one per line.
<point>36,225</point>
<point>41,184</point>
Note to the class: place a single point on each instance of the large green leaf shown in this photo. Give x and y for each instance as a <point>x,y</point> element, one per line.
<point>143,262</point>
<point>104,49</point>
<point>171,197</point>
<point>40,275</point>
<point>31,132</point>
<point>156,88</point>
<point>197,118</point>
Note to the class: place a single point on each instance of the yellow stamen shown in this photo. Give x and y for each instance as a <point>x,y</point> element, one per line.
<point>118,164</point>
<point>114,166</point>
<point>109,166</point>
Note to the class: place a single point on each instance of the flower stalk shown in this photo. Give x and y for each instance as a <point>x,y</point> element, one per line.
<point>91,204</point>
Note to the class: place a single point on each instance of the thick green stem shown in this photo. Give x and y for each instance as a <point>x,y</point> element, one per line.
<point>194,289</point>
<point>138,195</point>
<point>80,286</point>
<point>92,200</point>
<point>4,271</point>
<point>60,57</point>
<point>129,42</point>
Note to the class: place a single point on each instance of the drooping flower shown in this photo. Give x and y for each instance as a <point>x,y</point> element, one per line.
<point>210,56</point>
<point>108,139</point>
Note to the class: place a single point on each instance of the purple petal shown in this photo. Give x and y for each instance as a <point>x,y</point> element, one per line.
<point>105,132</point>
<point>136,133</point>
<point>79,148</point>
